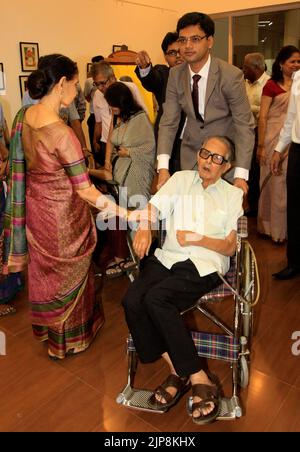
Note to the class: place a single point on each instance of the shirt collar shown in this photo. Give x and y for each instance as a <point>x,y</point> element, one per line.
<point>204,71</point>
<point>260,81</point>
<point>217,185</point>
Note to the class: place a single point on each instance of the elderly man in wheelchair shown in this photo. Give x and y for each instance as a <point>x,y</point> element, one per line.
<point>201,211</point>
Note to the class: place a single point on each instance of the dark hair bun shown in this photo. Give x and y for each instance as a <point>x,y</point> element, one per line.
<point>38,85</point>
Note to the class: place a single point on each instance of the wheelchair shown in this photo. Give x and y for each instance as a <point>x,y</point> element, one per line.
<point>233,345</point>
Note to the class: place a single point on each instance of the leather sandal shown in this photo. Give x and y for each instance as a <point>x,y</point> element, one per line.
<point>7,310</point>
<point>209,394</point>
<point>114,270</point>
<point>182,385</point>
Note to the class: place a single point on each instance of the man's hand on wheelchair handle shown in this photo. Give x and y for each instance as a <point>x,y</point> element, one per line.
<point>142,242</point>
<point>242,184</point>
<point>163,177</point>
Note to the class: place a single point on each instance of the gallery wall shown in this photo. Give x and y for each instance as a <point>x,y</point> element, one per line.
<point>81,30</point>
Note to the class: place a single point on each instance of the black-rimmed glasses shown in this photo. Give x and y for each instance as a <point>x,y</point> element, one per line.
<point>216,158</point>
<point>182,40</point>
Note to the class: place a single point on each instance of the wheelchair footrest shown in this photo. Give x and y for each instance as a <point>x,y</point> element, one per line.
<point>230,409</point>
<point>137,399</point>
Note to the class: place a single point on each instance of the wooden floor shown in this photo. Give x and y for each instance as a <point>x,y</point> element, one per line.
<point>78,394</point>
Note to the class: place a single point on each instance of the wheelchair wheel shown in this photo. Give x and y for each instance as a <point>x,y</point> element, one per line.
<point>243,372</point>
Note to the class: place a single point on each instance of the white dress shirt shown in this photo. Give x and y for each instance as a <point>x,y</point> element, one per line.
<point>102,109</point>
<point>186,205</point>
<point>291,129</point>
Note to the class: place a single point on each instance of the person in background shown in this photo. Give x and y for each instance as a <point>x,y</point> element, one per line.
<point>80,104</point>
<point>11,284</point>
<point>89,91</point>
<point>255,79</point>
<point>131,143</point>
<point>272,219</point>
<point>103,76</point>
<point>66,310</point>
<point>155,79</point>
<point>290,134</point>
<point>212,94</point>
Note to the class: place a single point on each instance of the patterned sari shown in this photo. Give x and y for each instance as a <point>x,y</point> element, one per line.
<point>272,216</point>
<point>66,308</point>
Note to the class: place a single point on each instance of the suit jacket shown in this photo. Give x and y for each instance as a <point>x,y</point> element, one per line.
<point>227,113</point>
<point>156,82</point>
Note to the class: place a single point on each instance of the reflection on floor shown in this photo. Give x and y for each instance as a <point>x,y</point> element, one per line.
<point>78,394</point>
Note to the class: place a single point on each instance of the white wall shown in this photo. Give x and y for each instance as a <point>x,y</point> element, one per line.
<point>77,29</point>
<point>82,29</point>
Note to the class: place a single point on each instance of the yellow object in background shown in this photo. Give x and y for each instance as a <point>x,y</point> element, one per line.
<point>128,69</point>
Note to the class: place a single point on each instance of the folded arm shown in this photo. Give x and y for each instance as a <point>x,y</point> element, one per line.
<point>226,247</point>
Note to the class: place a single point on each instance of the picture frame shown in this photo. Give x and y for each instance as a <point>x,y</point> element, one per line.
<point>23,84</point>
<point>29,52</point>
<point>117,48</point>
<point>88,68</point>
<point>2,78</point>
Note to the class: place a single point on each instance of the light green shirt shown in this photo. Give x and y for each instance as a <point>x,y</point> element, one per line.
<point>186,205</point>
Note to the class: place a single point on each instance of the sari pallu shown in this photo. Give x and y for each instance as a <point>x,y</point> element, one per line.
<point>11,284</point>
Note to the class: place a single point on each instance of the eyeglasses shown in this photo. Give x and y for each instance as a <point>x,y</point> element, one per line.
<point>173,53</point>
<point>194,39</point>
<point>216,158</point>
<point>100,84</point>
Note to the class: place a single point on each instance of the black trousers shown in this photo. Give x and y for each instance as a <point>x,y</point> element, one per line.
<point>293,210</point>
<point>152,308</point>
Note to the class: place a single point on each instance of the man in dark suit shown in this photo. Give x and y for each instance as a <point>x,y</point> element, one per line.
<point>212,94</point>
<point>155,79</point>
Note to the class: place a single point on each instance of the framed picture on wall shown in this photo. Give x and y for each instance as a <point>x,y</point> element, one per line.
<point>2,80</point>
<point>23,84</point>
<point>117,48</point>
<point>88,68</point>
<point>29,52</point>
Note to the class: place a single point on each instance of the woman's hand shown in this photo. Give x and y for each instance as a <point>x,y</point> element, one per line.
<point>123,152</point>
<point>275,163</point>
<point>261,155</point>
<point>108,166</point>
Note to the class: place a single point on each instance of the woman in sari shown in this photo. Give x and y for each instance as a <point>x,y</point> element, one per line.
<point>65,308</point>
<point>272,219</point>
<point>10,284</point>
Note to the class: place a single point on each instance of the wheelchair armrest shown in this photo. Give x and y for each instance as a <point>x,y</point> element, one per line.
<point>243,227</point>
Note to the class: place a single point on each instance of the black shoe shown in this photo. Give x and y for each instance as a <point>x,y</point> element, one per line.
<point>287,273</point>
